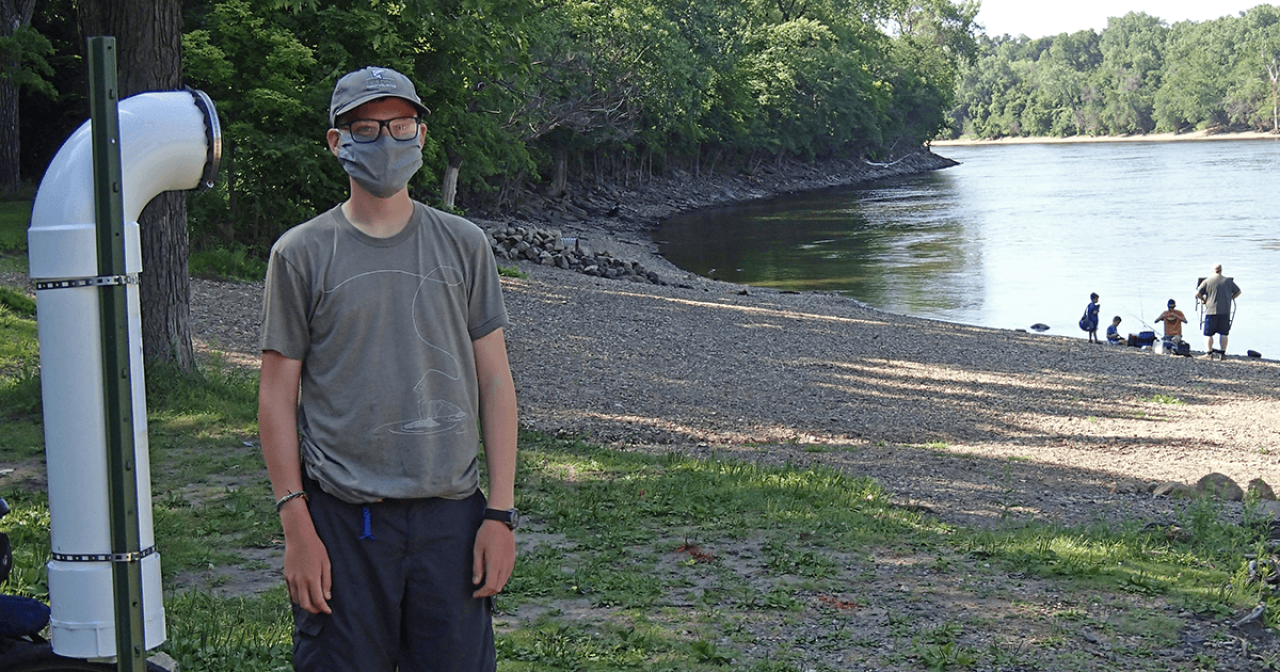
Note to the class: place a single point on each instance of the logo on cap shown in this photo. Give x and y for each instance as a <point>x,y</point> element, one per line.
<point>378,81</point>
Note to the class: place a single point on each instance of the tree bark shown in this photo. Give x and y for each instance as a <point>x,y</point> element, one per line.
<point>149,58</point>
<point>449,187</point>
<point>560,173</point>
<point>13,15</point>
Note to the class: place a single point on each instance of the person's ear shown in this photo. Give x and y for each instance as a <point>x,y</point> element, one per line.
<point>332,138</point>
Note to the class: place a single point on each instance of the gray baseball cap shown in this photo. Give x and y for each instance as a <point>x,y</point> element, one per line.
<point>359,87</point>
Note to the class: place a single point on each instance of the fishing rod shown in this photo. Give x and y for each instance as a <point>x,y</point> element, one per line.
<point>1129,311</point>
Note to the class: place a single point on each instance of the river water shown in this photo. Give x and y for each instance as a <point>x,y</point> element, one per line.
<point>1021,234</point>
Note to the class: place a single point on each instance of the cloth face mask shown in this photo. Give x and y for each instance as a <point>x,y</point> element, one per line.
<point>383,167</point>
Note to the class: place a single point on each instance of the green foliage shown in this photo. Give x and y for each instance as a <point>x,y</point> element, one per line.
<point>273,101</point>
<point>222,263</point>
<point>25,54</point>
<point>523,91</point>
<point>1137,76</point>
<point>28,528</point>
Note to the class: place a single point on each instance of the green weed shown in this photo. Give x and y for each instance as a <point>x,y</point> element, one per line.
<point>222,263</point>
<point>231,633</point>
<point>17,302</point>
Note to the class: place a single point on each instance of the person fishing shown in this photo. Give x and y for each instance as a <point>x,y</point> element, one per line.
<point>1173,320</point>
<point>1217,293</point>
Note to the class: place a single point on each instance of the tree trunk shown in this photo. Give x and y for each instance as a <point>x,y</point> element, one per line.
<point>149,58</point>
<point>1273,71</point>
<point>14,14</point>
<point>560,174</point>
<point>449,189</point>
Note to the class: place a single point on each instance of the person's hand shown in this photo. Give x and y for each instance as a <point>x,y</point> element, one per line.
<point>494,558</point>
<point>307,570</point>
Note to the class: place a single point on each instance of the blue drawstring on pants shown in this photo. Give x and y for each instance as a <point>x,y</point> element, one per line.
<point>368,526</point>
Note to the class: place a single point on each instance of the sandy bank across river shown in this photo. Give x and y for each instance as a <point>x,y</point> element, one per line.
<point>1149,137</point>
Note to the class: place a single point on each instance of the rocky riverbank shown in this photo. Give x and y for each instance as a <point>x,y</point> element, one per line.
<point>614,221</point>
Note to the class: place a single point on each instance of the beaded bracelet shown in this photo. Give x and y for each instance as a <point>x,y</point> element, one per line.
<point>293,495</point>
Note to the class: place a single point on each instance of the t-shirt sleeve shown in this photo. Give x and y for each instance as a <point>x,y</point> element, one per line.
<point>285,302</point>
<point>486,312</point>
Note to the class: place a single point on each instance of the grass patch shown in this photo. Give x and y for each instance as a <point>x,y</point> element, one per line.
<point>1165,399</point>
<point>680,560</point>
<point>20,402</point>
<point>15,218</point>
<point>13,263</point>
<point>223,263</point>
<point>511,272</point>
<point>17,302</point>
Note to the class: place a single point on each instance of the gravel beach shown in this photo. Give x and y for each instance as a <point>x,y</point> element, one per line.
<point>974,424</point>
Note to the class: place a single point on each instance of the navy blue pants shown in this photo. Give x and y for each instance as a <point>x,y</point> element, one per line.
<point>401,589</point>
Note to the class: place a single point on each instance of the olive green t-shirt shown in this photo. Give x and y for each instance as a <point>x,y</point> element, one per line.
<point>384,327</point>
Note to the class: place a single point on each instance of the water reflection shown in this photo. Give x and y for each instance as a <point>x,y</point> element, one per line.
<point>897,245</point>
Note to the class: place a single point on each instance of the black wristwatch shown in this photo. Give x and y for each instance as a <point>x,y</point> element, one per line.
<point>508,517</point>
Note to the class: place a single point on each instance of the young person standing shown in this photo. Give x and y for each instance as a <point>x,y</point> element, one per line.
<point>382,346</point>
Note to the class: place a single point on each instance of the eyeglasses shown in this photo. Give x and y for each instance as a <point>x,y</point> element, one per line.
<point>368,130</point>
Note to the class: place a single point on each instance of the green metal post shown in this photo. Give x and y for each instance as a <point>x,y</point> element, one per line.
<point>116,377</point>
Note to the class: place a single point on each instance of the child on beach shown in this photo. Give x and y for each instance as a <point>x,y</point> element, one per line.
<point>1089,322</point>
<point>1113,331</point>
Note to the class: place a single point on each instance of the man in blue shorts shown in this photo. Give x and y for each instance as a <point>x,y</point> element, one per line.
<point>382,346</point>
<point>1217,292</point>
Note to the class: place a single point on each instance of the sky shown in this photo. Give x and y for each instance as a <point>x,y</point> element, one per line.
<point>1038,18</point>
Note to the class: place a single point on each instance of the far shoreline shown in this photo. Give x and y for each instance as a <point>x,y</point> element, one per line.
<point>1193,136</point>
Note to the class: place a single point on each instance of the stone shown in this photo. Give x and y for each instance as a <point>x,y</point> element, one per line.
<point>1259,489</point>
<point>1173,489</point>
<point>552,248</point>
<point>1220,486</point>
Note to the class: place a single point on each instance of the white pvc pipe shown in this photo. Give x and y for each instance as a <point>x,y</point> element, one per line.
<point>168,141</point>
